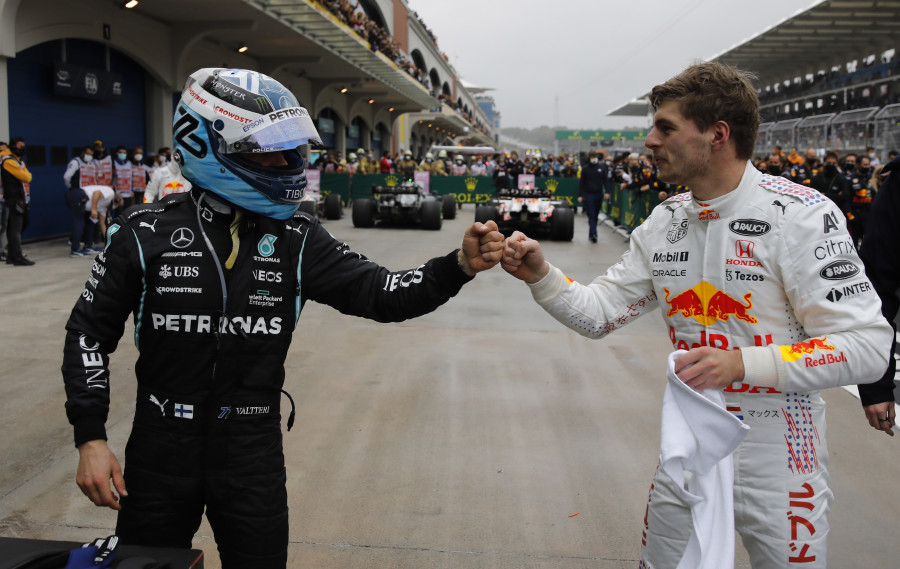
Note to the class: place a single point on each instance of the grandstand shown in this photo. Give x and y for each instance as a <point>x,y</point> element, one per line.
<point>828,77</point>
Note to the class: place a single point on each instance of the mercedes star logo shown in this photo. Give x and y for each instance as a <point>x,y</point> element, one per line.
<point>182,237</point>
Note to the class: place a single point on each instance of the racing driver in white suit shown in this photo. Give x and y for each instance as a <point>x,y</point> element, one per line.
<point>759,279</point>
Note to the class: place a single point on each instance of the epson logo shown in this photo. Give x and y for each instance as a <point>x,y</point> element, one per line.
<point>839,270</point>
<point>671,257</point>
<point>749,227</point>
<point>267,276</point>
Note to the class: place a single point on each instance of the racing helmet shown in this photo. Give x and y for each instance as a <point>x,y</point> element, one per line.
<point>224,113</point>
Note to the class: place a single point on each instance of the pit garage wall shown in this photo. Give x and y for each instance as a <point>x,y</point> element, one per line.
<point>54,126</point>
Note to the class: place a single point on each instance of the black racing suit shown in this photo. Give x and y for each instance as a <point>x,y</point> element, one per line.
<point>207,425</point>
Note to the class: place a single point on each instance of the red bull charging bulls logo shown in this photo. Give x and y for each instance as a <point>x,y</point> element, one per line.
<point>706,304</point>
<point>796,351</point>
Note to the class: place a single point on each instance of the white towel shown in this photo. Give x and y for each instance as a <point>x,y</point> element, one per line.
<point>698,436</point>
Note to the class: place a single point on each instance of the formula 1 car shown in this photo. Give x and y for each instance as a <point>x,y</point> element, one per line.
<point>404,203</point>
<point>329,207</point>
<point>529,210</point>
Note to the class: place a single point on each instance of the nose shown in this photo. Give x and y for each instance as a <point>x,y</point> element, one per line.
<point>652,141</point>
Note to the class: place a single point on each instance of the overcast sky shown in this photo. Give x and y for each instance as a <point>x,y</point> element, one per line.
<point>594,55</point>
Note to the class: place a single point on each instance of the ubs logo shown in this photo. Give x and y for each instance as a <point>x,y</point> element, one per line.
<point>182,237</point>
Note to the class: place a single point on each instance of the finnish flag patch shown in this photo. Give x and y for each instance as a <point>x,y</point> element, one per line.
<point>184,411</point>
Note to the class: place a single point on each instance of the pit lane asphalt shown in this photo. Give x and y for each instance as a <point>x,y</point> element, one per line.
<point>468,438</point>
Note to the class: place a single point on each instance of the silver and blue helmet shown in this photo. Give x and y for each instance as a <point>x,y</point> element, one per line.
<point>224,113</point>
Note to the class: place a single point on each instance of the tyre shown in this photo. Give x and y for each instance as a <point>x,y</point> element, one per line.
<point>448,206</point>
<point>363,213</point>
<point>333,207</point>
<point>485,213</point>
<point>564,204</point>
<point>308,206</point>
<point>562,224</point>
<point>431,214</point>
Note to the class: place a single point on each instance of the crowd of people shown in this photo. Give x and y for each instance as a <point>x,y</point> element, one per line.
<point>98,186</point>
<point>381,41</point>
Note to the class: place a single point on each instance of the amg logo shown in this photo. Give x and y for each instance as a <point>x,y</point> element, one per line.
<point>671,257</point>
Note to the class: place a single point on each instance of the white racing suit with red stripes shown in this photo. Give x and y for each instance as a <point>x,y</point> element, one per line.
<point>771,269</point>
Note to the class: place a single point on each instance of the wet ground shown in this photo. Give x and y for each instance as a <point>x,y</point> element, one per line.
<point>484,435</point>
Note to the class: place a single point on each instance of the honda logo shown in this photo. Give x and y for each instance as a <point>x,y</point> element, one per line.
<point>744,249</point>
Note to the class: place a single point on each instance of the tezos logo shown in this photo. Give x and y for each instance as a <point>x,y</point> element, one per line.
<point>839,270</point>
<point>266,245</point>
<point>749,227</point>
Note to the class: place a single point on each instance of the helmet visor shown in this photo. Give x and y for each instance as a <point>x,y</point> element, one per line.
<point>285,129</point>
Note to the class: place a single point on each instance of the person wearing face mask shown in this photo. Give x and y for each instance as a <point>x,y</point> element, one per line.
<point>502,179</point>
<point>79,173</point>
<point>102,164</point>
<point>594,182</point>
<point>832,184</point>
<point>861,198</point>
<point>427,165</point>
<point>873,158</point>
<point>15,179</point>
<point>803,173</point>
<point>477,168</point>
<point>352,164</point>
<point>140,174</point>
<point>368,164</point>
<point>122,178</point>
<point>775,165</point>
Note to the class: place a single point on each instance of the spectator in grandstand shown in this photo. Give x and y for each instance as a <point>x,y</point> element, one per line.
<point>881,257</point>
<point>832,184</point>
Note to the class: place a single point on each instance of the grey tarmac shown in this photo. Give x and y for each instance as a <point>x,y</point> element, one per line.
<point>484,435</point>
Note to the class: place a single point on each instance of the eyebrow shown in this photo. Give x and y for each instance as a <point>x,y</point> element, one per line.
<point>660,122</point>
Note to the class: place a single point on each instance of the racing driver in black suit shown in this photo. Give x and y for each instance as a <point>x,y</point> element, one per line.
<point>216,279</point>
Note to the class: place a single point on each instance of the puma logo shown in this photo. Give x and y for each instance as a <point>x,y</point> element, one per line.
<point>155,401</point>
<point>782,206</point>
<point>672,209</point>
<point>150,225</point>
